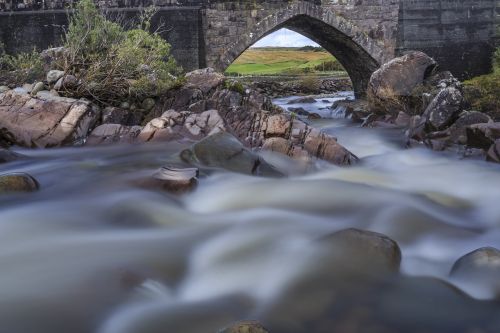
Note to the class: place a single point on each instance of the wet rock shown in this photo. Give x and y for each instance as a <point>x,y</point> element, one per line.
<point>174,180</point>
<point>46,120</point>
<point>391,87</point>
<point>483,259</point>
<point>113,133</point>
<point>493,154</point>
<point>402,120</point>
<point>8,156</point>
<point>444,108</point>
<point>17,182</point>
<point>458,131</point>
<point>482,135</point>
<point>356,110</point>
<point>299,111</point>
<point>303,100</point>
<point>481,267</point>
<point>222,150</point>
<point>313,116</point>
<point>245,327</point>
<point>54,75</point>
<point>362,249</point>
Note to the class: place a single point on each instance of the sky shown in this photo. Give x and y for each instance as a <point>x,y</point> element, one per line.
<point>284,38</point>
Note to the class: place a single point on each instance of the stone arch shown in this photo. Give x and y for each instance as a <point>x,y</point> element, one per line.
<point>354,48</point>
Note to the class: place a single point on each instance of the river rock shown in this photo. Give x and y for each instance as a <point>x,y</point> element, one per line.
<point>299,111</point>
<point>303,100</point>
<point>245,327</point>
<point>8,156</point>
<point>223,150</point>
<point>391,87</point>
<point>39,86</point>
<point>114,115</point>
<point>493,154</point>
<point>205,79</point>
<point>54,75</point>
<point>67,82</point>
<point>482,135</point>
<point>113,133</point>
<point>481,266</point>
<point>458,131</point>
<point>4,89</point>
<point>17,182</point>
<point>45,120</point>
<point>362,250</point>
<point>174,125</point>
<point>444,108</point>
<point>174,180</point>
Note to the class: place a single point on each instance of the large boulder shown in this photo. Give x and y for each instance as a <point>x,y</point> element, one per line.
<point>392,87</point>
<point>45,120</point>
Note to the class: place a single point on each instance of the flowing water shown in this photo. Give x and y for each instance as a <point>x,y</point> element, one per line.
<point>91,252</point>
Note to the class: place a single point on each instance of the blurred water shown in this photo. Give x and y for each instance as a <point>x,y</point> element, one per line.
<point>91,252</point>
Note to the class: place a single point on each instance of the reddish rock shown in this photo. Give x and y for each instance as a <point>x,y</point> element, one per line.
<point>46,120</point>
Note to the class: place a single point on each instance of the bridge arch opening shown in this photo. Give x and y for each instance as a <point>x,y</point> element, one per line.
<point>356,60</point>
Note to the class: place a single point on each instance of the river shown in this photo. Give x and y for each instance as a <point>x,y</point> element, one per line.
<point>91,252</point>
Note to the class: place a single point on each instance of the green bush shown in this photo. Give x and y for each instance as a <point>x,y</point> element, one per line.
<point>114,64</point>
<point>330,66</point>
<point>483,92</point>
<point>21,68</point>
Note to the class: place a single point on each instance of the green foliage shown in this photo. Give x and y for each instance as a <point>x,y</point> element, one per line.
<point>330,66</point>
<point>483,92</point>
<point>20,68</point>
<point>114,64</point>
<point>234,85</point>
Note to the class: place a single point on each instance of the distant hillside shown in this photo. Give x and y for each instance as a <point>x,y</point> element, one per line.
<point>284,61</point>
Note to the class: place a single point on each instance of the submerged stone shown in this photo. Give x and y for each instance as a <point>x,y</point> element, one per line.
<point>18,182</point>
<point>222,150</point>
<point>246,327</point>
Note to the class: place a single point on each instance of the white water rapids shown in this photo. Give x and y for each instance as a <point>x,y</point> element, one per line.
<point>91,253</point>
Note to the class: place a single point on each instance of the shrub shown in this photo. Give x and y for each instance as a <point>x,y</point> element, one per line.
<point>483,92</point>
<point>310,83</point>
<point>20,68</point>
<point>330,66</point>
<point>114,64</point>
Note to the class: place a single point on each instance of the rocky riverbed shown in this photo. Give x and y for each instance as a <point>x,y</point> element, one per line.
<point>217,209</point>
<point>380,246</point>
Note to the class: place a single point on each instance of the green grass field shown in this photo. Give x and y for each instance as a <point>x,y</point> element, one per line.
<point>279,61</point>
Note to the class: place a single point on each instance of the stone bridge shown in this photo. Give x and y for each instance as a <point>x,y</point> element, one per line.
<point>362,34</point>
